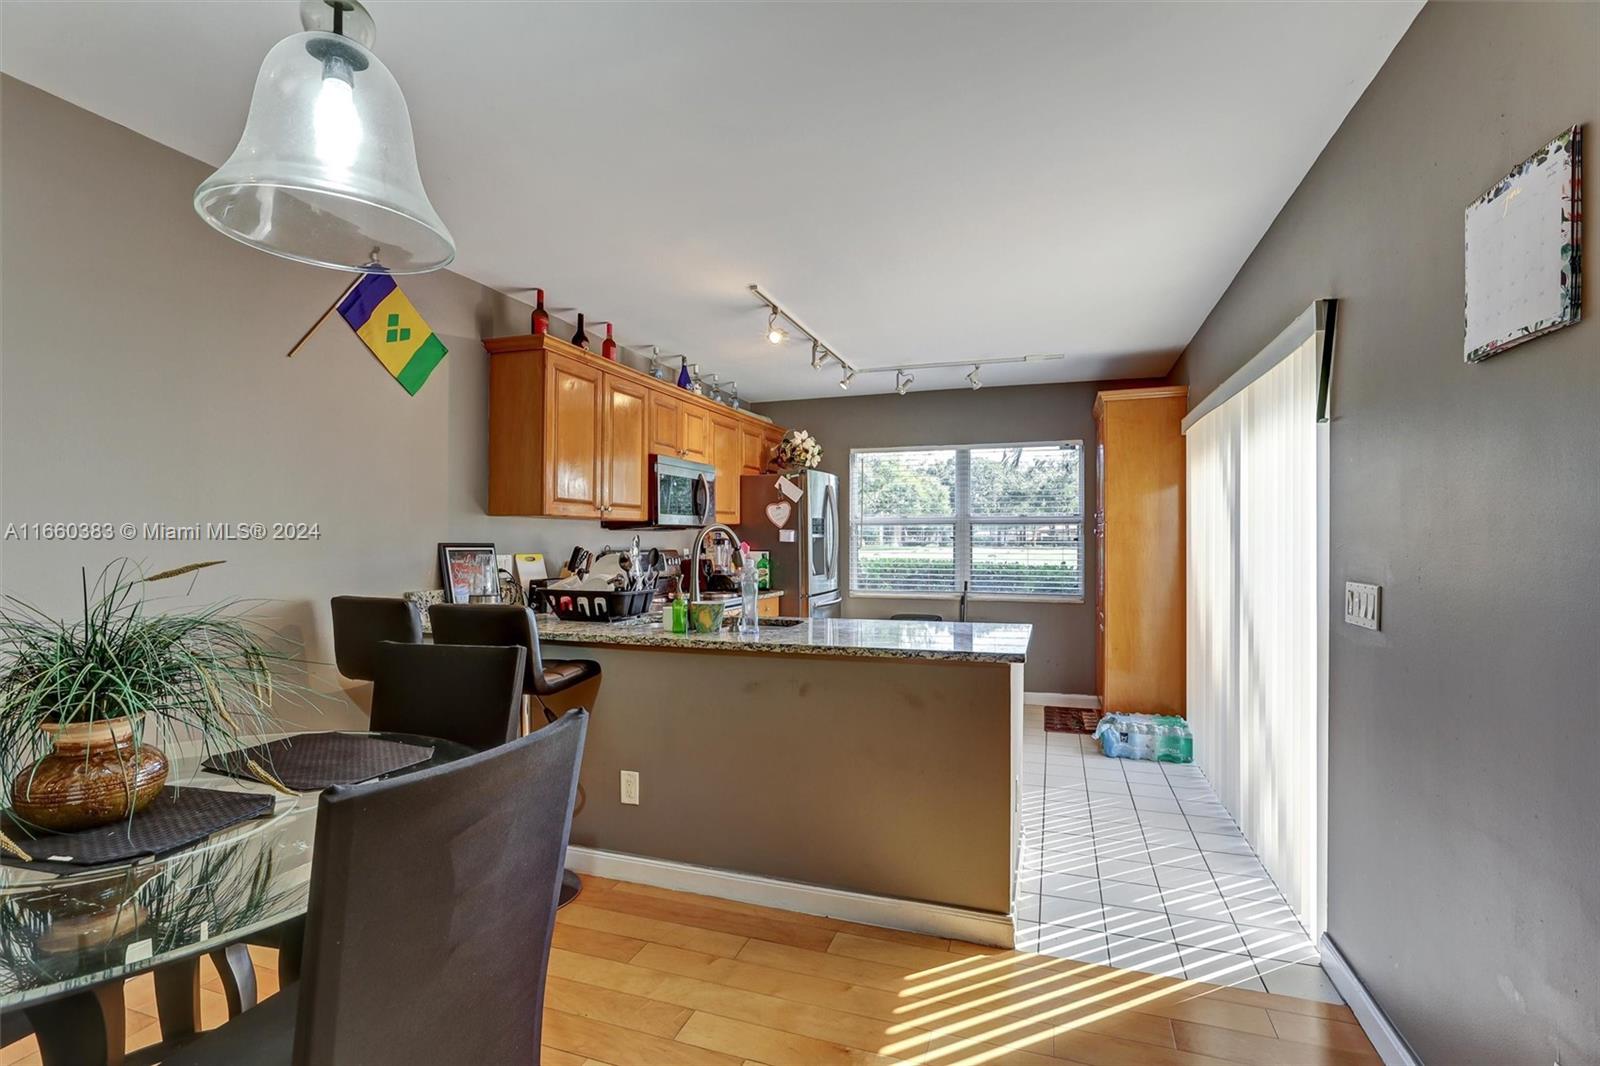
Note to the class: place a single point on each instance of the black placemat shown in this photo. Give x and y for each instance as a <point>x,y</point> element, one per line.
<point>176,818</point>
<point>313,761</point>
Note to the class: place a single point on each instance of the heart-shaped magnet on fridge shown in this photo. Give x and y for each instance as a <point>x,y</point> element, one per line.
<point>778,513</point>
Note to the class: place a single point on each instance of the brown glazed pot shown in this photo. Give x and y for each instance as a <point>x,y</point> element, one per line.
<point>95,776</point>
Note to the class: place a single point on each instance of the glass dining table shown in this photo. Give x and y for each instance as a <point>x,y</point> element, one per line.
<point>70,936</point>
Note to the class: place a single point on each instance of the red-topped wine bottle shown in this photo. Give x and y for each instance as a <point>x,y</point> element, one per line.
<point>541,317</point>
<point>608,347</point>
<point>580,338</point>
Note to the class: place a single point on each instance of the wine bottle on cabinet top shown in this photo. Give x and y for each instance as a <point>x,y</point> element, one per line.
<point>608,347</point>
<point>580,338</point>
<point>541,317</point>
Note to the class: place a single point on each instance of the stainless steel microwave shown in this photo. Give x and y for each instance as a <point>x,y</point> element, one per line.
<point>682,493</point>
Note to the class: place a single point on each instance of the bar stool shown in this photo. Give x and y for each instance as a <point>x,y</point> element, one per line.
<point>361,623</point>
<point>557,685</point>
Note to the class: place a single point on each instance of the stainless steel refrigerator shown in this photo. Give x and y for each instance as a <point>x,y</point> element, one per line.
<point>801,536</point>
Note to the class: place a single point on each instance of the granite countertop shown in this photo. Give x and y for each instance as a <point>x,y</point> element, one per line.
<point>990,642</point>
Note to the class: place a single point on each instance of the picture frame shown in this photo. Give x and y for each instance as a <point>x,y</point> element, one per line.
<point>469,573</point>
<point>1523,251</point>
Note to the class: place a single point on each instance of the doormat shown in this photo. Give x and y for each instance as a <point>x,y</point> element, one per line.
<point>1070,720</point>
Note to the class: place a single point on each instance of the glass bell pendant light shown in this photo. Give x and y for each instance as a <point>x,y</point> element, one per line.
<point>326,170</point>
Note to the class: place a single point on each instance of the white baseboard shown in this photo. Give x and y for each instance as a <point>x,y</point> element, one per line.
<point>935,919</point>
<point>1061,699</point>
<point>1386,1039</point>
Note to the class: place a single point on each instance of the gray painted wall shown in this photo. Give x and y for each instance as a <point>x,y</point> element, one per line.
<point>144,380</point>
<point>1464,737</point>
<point>1061,657</point>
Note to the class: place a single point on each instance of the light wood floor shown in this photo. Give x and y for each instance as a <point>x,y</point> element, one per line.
<point>643,976</point>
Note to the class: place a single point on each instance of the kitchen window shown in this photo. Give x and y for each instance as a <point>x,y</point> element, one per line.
<point>1004,521</point>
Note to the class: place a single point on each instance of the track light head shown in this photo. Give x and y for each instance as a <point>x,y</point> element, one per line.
<point>902,381</point>
<point>973,377</point>
<point>818,353</point>
<point>849,376</point>
<point>776,334</point>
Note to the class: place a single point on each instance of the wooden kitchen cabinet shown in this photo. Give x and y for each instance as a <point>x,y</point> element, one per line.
<point>1139,534</point>
<point>572,430</point>
<point>728,457</point>
<point>666,424</point>
<point>625,459</point>
<point>769,606</point>
<point>752,450</point>
<point>571,433</point>
<point>694,436</point>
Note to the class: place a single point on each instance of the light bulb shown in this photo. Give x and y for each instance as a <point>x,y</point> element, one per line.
<point>973,377</point>
<point>849,376</point>
<point>335,123</point>
<point>776,334</point>
<point>902,381</point>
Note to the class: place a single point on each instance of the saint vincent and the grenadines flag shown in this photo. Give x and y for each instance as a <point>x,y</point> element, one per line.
<point>387,323</point>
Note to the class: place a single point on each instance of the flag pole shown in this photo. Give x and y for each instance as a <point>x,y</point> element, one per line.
<point>331,308</point>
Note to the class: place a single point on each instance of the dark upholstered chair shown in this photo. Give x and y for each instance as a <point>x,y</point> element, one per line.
<point>433,901</point>
<point>557,684</point>
<point>360,623</point>
<point>461,692</point>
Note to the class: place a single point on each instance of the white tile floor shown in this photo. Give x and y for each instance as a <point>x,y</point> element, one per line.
<point>1137,865</point>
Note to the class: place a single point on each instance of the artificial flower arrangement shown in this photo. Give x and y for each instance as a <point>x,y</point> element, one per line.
<point>798,450</point>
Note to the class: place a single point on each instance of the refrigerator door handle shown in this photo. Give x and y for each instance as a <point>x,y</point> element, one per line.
<point>830,522</point>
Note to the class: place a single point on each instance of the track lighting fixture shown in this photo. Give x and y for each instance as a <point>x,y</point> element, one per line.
<point>849,376</point>
<point>776,334</point>
<point>902,381</point>
<point>820,352</point>
<point>973,377</point>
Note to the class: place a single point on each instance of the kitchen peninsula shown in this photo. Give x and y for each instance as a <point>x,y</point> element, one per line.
<point>871,756</point>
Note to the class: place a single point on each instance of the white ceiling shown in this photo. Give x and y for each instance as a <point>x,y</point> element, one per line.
<point>916,182</point>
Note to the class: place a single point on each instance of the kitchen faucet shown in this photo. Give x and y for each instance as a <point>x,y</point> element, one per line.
<point>694,555</point>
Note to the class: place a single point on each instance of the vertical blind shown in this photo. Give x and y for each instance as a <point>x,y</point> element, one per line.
<point>1253,618</point>
<point>1008,519</point>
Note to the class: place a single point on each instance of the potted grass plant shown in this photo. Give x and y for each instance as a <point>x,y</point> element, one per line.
<point>82,703</point>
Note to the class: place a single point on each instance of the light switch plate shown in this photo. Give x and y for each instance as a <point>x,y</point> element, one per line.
<point>630,787</point>
<point>1361,604</point>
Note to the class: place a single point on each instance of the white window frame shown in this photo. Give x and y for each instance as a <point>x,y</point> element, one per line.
<point>964,520</point>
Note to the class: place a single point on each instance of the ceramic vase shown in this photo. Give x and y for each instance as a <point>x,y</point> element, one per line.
<point>97,774</point>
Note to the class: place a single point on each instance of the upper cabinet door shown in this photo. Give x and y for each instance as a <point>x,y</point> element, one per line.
<point>752,450</point>
<point>666,424</point>
<point>625,496</point>
<point>727,457</point>
<point>573,438</point>
<point>695,438</point>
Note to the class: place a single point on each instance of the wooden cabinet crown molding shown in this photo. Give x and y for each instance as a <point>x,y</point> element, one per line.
<point>1155,392</point>
<point>542,343</point>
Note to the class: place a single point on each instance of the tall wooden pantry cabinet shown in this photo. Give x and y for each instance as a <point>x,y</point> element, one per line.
<point>1139,536</point>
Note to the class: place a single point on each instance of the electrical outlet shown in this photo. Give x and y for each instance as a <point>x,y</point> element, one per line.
<point>630,787</point>
<point>1361,604</point>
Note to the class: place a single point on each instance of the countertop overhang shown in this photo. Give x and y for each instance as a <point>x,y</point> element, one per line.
<point>988,642</point>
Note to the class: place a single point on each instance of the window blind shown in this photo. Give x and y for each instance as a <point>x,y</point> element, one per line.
<point>1002,520</point>
<point>1253,617</point>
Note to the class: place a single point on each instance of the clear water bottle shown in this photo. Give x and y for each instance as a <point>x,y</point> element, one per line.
<point>749,597</point>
